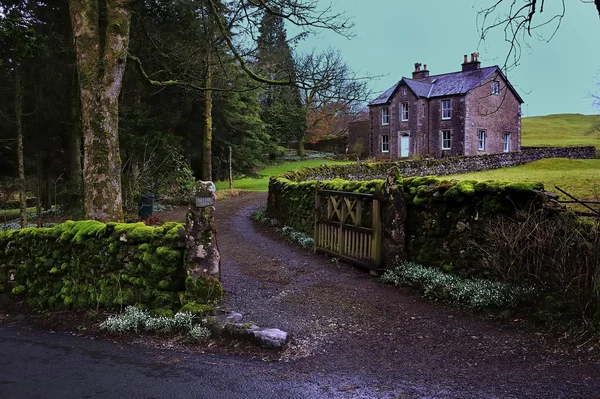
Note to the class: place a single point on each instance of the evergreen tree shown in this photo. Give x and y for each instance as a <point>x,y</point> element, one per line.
<point>282,109</point>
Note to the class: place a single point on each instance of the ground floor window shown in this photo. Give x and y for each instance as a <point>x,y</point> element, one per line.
<point>385,143</point>
<point>446,139</point>
<point>507,142</point>
<point>481,140</point>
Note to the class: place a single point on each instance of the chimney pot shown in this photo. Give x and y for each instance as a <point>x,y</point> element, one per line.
<point>472,57</point>
<point>465,59</point>
<point>417,66</point>
<point>425,67</point>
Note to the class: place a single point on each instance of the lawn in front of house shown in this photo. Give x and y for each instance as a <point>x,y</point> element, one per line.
<point>261,183</point>
<point>578,177</point>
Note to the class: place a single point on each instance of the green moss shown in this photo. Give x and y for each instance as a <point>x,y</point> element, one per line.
<point>161,312</point>
<point>141,233</point>
<point>204,289</point>
<point>197,309</point>
<point>18,290</point>
<point>467,187</point>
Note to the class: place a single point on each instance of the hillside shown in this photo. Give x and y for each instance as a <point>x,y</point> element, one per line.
<point>560,130</point>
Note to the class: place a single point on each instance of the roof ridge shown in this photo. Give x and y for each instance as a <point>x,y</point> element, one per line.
<point>452,73</point>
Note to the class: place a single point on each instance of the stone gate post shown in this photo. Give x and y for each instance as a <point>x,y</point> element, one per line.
<point>203,257</point>
<point>393,243</point>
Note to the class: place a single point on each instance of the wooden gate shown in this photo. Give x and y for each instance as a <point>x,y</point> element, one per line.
<point>348,226</point>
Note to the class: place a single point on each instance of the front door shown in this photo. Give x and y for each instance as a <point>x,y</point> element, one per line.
<point>404,146</point>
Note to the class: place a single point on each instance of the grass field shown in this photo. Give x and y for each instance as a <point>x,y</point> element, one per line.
<point>9,214</point>
<point>262,183</point>
<point>579,177</point>
<point>562,130</point>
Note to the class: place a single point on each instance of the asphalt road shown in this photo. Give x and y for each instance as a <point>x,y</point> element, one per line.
<point>38,364</point>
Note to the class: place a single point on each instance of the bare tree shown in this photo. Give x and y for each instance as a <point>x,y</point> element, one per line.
<point>520,20</point>
<point>329,87</point>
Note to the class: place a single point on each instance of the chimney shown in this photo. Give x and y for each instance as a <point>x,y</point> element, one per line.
<point>473,65</point>
<point>420,73</point>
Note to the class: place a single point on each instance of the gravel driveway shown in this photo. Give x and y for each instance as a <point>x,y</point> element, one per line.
<point>344,321</point>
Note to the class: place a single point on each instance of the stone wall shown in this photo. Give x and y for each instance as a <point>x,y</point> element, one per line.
<point>439,167</point>
<point>443,217</point>
<point>91,265</point>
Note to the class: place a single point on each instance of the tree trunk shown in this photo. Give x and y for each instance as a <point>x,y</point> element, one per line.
<point>301,141</point>
<point>101,36</point>
<point>207,133</point>
<point>75,171</point>
<point>20,152</point>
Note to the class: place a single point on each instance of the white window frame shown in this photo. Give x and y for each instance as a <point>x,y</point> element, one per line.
<point>385,143</point>
<point>448,109</point>
<point>385,116</point>
<point>404,112</point>
<point>507,140</point>
<point>423,110</point>
<point>448,140</point>
<point>481,139</point>
<point>403,90</point>
<point>495,87</point>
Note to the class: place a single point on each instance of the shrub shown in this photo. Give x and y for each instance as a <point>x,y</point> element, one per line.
<point>474,293</point>
<point>303,239</point>
<point>199,333</point>
<point>560,254</point>
<point>134,319</point>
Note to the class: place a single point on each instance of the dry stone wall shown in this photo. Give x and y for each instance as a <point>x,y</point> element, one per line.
<point>439,167</point>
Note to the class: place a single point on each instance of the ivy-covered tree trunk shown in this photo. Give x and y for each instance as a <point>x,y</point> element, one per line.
<point>20,151</point>
<point>74,151</point>
<point>101,36</point>
<point>208,123</point>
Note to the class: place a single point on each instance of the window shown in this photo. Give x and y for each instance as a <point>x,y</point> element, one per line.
<point>385,143</point>
<point>507,142</point>
<point>481,140</point>
<point>385,116</point>
<point>404,112</point>
<point>446,109</point>
<point>403,90</point>
<point>446,139</point>
<point>422,110</point>
<point>495,87</point>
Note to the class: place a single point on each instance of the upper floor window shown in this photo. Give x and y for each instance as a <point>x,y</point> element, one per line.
<point>422,110</point>
<point>404,112</point>
<point>481,140</point>
<point>385,116</point>
<point>403,90</point>
<point>494,87</point>
<point>446,139</point>
<point>507,142</point>
<point>385,143</point>
<point>446,109</point>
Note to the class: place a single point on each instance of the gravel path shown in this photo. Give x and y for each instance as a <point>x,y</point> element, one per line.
<point>381,339</point>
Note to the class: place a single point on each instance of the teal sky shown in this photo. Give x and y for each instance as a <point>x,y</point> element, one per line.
<point>391,35</point>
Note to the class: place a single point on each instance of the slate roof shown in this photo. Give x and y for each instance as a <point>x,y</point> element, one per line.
<point>446,84</point>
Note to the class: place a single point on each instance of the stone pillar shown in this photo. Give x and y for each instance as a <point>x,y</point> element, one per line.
<point>203,258</point>
<point>393,245</point>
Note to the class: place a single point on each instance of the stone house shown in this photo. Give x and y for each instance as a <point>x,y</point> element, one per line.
<point>471,112</point>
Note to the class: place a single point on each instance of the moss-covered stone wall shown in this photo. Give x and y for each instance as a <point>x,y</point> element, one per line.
<point>88,264</point>
<point>442,216</point>
<point>293,203</point>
